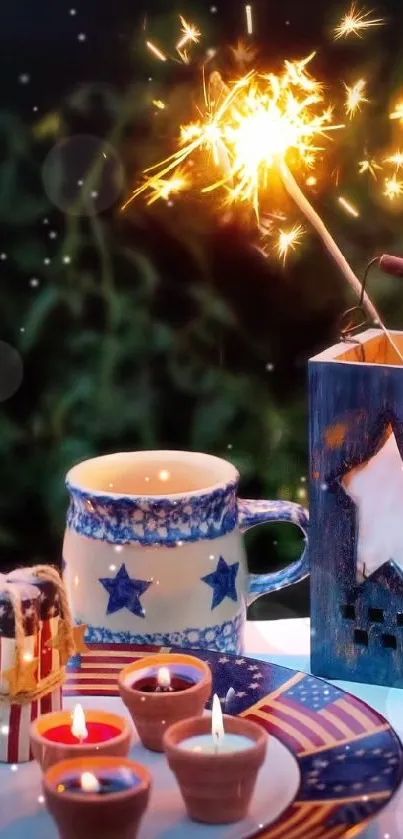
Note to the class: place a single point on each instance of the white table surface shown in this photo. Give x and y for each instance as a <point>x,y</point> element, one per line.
<point>284,642</point>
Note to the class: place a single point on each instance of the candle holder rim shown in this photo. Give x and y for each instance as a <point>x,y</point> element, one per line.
<point>162,659</point>
<point>83,764</point>
<point>202,725</point>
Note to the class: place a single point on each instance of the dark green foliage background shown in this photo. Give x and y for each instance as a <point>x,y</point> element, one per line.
<point>159,331</point>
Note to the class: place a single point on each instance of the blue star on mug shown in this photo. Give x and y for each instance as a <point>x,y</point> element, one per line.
<point>124,592</point>
<point>222,581</point>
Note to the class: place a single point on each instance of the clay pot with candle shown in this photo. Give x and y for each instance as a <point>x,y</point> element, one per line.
<point>162,689</point>
<point>101,797</point>
<point>61,735</point>
<point>216,762</point>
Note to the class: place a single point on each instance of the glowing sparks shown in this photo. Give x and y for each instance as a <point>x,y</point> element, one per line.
<point>356,21</point>
<point>355,97</point>
<point>311,181</point>
<point>352,211</point>
<point>190,34</point>
<point>157,53</point>
<point>393,188</point>
<point>288,240</point>
<point>164,188</point>
<point>242,133</point>
<point>398,112</point>
<point>158,103</point>
<point>249,19</point>
<point>370,166</point>
<point>395,159</point>
<point>243,53</point>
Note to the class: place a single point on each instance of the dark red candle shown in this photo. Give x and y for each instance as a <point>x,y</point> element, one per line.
<point>98,732</point>
<point>150,684</point>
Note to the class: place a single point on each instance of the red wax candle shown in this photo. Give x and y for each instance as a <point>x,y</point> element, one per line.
<point>102,733</point>
<point>98,732</point>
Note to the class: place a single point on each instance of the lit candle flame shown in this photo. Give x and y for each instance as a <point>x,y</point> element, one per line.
<point>89,782</point>
<point>164,677</point>
<point>78,726</point>
<point>217,723</point>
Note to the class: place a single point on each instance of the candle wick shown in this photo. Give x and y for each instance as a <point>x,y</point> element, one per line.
<point>216,743</point>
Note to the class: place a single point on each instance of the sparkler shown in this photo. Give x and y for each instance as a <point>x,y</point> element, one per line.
<point>395,159</point>
<point>248,136</point>
<point>354,22</point>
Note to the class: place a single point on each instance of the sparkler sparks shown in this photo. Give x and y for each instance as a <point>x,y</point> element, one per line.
<point>348,207</point>
<point>189,34</point>
<point>393,188</point>
<point>354,22</point>
<point>164,188</point>
<point>249,19</point>
<point>355,97</point>
<point>370,166</point>
<point>398,112</point>
<point>157,53</point>
<point>289,240</point>
<point>395,159</point>
<point>246,128</point>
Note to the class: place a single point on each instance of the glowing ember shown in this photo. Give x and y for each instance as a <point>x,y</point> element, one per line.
<point>289,240</point>
<point>355,97</point>
<point>393,188</point>
<point>356,21</point>
<point>348,207</point>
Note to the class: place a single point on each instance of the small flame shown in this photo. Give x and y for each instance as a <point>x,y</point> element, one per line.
<point>164,677</point>
<point>78,726</point>
<point>217,723</point>
<point>89,782</point>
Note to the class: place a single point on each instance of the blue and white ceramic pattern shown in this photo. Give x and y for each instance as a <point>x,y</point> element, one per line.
<point>153,551</point>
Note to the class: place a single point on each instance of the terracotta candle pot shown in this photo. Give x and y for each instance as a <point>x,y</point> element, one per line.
<point>155,707</point>
<point>216,786</point>
<point>102,797</point>
<point>52,738</point>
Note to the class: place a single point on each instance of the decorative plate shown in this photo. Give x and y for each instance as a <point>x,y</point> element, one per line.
<point>350,760</point>
<point>332,762</point>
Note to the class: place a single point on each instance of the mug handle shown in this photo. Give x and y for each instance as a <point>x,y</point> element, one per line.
<point>252,512</point>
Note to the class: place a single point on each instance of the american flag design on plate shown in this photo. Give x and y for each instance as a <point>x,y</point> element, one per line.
<point>41,615</point>
<point>350,759</point>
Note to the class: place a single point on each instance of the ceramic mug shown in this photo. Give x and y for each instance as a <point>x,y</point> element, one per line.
<point>153,550</point>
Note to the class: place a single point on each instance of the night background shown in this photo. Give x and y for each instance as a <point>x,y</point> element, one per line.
<point>165,326</point>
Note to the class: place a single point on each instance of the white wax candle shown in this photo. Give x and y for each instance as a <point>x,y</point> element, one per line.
<point>205,744</point>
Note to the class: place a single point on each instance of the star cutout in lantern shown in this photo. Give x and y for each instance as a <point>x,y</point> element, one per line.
<point>22,679</point>
<point>124,592</point>
<point>222,581</point>
<point>376,487</point>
